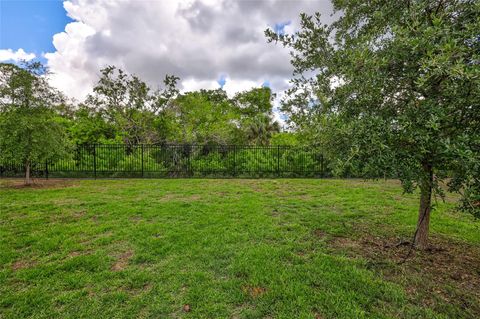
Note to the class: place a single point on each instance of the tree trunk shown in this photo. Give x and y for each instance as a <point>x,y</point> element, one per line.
<point>28,180</point>
<point>423,223</point>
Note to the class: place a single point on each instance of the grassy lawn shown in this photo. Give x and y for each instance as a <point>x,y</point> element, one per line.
<point>231,249</point>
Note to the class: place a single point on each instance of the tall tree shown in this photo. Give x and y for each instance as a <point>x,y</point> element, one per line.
<point>124,100</point>
<point>260,129</point>
<point>405,75</point>
<point>129,104</point>
<point>29,131</point>
<point>255,110</point>
<point>204,116</point>
<point>88,126</point>
<point>254,102</point>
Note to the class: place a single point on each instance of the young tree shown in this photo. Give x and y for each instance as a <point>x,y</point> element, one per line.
<point>29,132</point>
<point>404,76</point>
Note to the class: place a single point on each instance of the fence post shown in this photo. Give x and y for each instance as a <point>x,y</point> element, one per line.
<point>234,160</point>
<point>321,166</point>
<point>46,169</point>
<point>142,160</point>
<point>95,160</point>
<point>278,160</point>
<point>189,163</point>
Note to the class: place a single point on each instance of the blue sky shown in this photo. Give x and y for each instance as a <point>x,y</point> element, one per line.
<point>222,80</point>
<point>279,28</point>
<point>31,24</point>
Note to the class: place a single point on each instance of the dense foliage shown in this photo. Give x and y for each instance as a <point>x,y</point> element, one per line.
<point>38,125</point>
<point>124,109</point>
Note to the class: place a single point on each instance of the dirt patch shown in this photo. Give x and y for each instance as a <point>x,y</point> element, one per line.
<point>346,243</point>
<point>122,261</point>
<point>239,309</point>
<point>320,233</point>
<point>253,291</point>
<point>77,253</point>
<point>276,213</point>
<point>22,264</point>
<point>254,184</point>
<point>135,291</point>
<point>448,272</point>
<point>37,183</point>
<point>74,254</point>
<point>178,197</point>
<point>79,214</point>
<point>136,218</point>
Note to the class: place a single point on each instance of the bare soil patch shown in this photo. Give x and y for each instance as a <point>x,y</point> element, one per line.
<point>178,197</point>
<point>122,261</point>
<point>37,183</point>
<point>22,264</point>
<point>447,272</point>
<point>254,292</point>
<point>74,254</point>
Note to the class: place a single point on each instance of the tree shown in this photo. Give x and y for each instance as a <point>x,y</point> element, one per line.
<point>285,138</point>
<point>254,101</point>
<point>404,78</point>
<point>29,130</point>
<point>123,100</point>
<point>88,126</point>
<point>260,130</point>
<point>255,110</point>
<point>128,103</point>
<point>204,116</point>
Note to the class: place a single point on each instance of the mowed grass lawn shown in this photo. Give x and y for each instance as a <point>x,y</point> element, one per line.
<point>231,249</point>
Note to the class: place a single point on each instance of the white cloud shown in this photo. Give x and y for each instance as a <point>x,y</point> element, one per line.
<point>20,54</point>
<point>197,40</point>
<point>73,72</point>
<point>233,86</point>
<point>191,84</point>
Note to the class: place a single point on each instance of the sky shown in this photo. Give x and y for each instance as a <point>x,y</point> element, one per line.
<point>207,43</point>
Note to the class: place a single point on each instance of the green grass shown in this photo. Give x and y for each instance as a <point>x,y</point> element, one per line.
<point>225,248</point>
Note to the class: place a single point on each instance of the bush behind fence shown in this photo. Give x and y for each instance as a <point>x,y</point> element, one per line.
<point>163,161</point>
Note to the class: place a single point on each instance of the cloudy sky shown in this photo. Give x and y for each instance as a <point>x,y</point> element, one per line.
<point>207,43</point>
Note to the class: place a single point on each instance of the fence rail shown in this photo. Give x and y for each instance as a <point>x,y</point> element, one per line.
<point>163,161</point>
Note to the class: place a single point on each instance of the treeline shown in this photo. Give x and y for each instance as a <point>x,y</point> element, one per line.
<point>124,109</point>
<point>39,124</point>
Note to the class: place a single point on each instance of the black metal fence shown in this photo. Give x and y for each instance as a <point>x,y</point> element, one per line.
<point>162,161</point>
